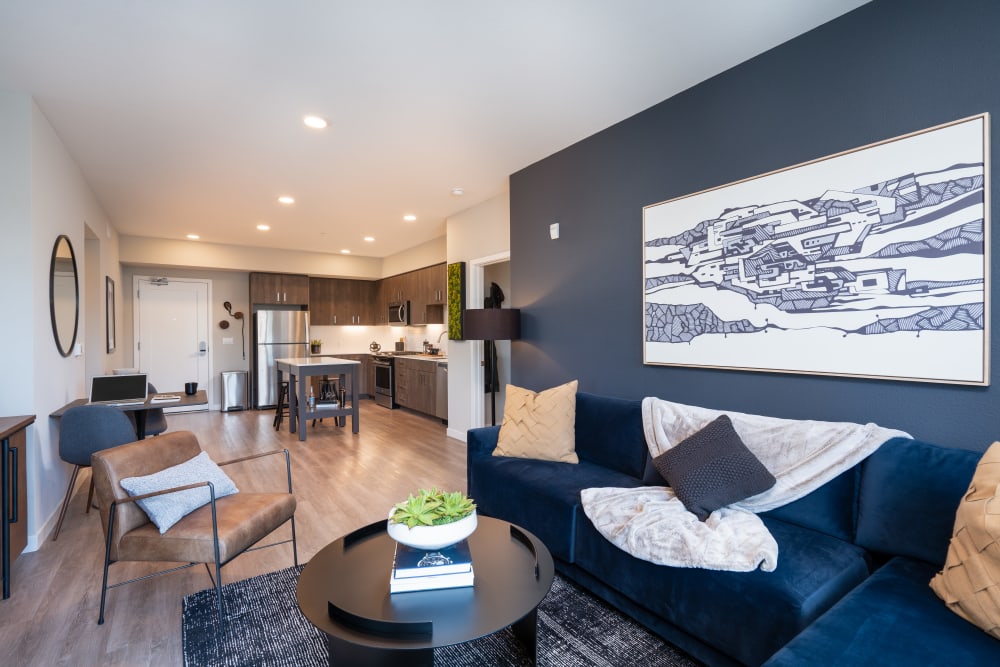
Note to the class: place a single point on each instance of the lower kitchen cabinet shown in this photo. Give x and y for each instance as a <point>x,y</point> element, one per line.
<point>416,384</point>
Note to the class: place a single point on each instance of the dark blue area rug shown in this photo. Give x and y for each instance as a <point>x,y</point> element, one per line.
<point>265,628</point>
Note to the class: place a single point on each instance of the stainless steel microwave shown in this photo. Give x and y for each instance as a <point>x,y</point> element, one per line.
<point>399,313</point>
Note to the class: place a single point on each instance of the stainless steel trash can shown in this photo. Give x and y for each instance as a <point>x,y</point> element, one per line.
<point>234,390</point>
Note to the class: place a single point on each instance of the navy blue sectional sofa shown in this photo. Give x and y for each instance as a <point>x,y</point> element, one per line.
<point>855,556</point>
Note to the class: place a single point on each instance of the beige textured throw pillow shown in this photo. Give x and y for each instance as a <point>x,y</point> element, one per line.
<point>970,581</point>
<point>539,425</point>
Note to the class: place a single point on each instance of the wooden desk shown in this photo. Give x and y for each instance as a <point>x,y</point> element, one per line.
<point>301,369</point>
<point>199,398</point>
<point>13,479</point>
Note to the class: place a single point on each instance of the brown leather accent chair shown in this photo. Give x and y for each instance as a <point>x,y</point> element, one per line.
<point>213,533</point>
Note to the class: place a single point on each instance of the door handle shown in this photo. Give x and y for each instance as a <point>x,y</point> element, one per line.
<point>202,347</point>
<point>15,491</point>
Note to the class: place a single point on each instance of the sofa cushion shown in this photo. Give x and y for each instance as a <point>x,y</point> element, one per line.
<point>905,485</point>
<point>609,433</point>
<point>893,618</point>
<point>830,509</point>
<point>542,496</point>
<point>713,468</point>
<point>746,615</point>
<point>539,425</point>
<point>970,580</point>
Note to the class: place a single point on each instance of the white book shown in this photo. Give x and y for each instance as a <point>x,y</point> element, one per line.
<point>432,582</point>
<point>164,398</point>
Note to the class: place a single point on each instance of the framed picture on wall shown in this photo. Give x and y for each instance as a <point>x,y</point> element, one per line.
<point>873,262</point>
<point>109,295</point>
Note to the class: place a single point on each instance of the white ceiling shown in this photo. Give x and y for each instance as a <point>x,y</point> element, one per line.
<point>185,116</point>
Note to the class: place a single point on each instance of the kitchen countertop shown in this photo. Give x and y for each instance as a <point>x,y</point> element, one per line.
<point>423,357</point>
<point>397,355</point>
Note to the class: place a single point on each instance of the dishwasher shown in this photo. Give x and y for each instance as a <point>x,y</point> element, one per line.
<point>441,388</point>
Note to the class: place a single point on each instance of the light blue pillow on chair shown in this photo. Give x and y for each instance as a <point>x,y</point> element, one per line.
<point>168,509</point>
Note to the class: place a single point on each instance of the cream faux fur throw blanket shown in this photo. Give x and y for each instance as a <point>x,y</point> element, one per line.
<point>650,523</point>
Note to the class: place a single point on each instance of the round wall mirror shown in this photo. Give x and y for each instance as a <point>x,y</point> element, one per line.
<point>64,295</point>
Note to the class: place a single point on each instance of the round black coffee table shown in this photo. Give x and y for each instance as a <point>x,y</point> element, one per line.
<point>344,591</point>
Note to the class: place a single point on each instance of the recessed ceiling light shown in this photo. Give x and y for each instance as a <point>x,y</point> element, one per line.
<point>285,199</point>
<point>263,227</point>
<point>409,218</point>
<point>315,122</point>
<point>369,238</point>
<point>458,192</point>
<point>345,251</point>
<point>193,237</point>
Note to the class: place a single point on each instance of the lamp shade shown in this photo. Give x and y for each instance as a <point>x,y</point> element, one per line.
<point>492,324</point>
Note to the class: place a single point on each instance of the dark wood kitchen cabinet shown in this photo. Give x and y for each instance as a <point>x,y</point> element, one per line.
<point>14,534</point>
<point>279,288</point>
<point>426,289</point>
<point>416,384</point>
<point>336,301</point>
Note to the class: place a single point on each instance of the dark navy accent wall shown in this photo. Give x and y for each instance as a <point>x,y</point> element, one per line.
<point>888,68</point>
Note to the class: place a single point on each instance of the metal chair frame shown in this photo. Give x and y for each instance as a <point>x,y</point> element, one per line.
<point>217,579</point>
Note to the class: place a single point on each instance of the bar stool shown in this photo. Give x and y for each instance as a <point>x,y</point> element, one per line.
<point>281,409</point>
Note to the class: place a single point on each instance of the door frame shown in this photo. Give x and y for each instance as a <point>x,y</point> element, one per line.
<point>475,284</point>
<point>137,313</point>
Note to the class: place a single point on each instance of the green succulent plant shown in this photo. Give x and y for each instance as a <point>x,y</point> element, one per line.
<point>432,507</point>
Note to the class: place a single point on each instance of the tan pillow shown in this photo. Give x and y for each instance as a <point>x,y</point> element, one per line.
<point>539,425</point>
<point>970,581</point>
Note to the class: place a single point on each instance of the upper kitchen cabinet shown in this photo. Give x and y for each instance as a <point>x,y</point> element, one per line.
<point>425,289</point>
<point>429,294</point>
<point>279,288</point>
<point>335,301</point>
<point>320,301</point>
<point>436,281</point>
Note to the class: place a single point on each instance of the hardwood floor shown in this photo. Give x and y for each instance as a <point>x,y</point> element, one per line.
<point>342,481</point>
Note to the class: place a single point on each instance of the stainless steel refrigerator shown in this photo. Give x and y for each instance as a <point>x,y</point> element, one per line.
<point>277,334</point>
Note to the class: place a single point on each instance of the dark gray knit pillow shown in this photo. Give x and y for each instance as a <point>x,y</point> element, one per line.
<point>712,469</point>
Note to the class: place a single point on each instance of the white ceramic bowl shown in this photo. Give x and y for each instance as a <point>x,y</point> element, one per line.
<point>432,537</point>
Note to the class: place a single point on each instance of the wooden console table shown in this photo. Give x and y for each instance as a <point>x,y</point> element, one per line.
<point>14,480</point>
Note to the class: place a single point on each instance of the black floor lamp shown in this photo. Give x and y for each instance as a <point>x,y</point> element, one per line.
<point>492,324</point>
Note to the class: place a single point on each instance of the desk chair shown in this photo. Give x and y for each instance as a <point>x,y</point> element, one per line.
<point>216,532</point>
<point>84,430</point>
<point>156,421</point>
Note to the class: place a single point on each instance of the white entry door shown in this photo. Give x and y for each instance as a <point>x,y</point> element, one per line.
<point>172,332</point>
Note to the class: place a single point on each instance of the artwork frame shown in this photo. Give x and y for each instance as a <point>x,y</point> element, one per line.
<point>872,262</point>
<point>109,297</point>
<point>456,300</point>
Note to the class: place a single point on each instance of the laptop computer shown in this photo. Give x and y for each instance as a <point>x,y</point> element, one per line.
<point>118,390</point>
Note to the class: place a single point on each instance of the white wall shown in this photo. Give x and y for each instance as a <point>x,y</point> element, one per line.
<point>478,232</point>
<point>18,255</point>
<point>143,251</point>
<point>231,286</point>
<point>61,203</point>
<point>417,257</point>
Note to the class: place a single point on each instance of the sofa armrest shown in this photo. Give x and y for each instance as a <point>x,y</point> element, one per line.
<point>482,441</point>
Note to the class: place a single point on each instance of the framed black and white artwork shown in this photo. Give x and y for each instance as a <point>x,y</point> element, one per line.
<point>873,262</point>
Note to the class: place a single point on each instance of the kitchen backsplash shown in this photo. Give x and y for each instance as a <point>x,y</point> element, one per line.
<point>354,339</point>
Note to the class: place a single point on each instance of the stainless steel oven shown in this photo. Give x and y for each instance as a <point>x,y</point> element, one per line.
<point>385,381</point>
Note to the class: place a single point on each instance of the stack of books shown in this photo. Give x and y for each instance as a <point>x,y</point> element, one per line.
<point>418,570</point>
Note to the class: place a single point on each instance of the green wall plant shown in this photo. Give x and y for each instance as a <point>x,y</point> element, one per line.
<point>456,300</point>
